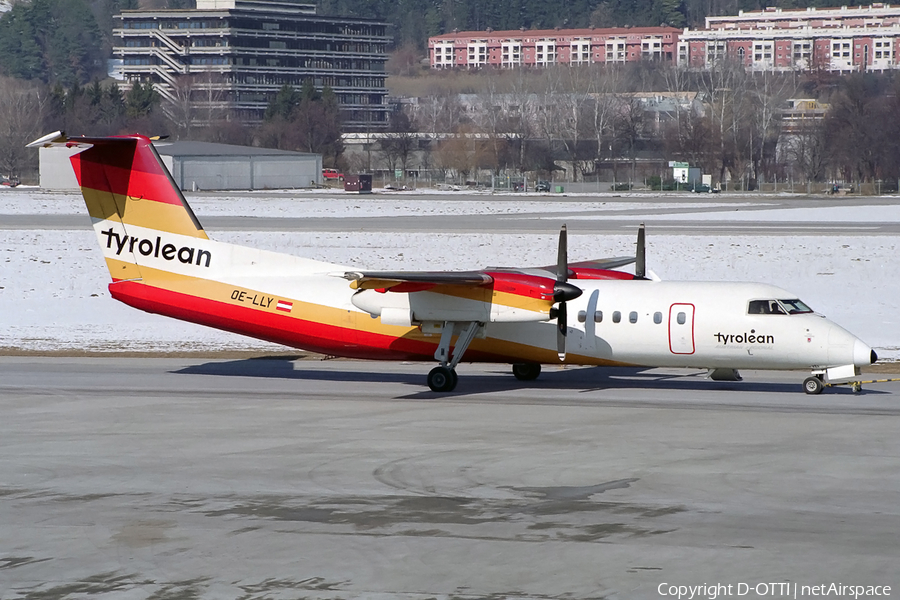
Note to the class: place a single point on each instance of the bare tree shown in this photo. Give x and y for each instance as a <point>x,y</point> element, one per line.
<point>399,141</point>
<point>521,115</point>
<point>723,89</point>
<point>573,107</point>
<point>21,120</point>
<point>454,154</point>
<point>688,138</point>
<point>428,114</point>
<point>629,126</point>
<point>549,113</point>
<point>768,94</point>
<point>605,85</point>
<point>807,149</point>
<point>182,111</point>
<point>199,103</point>
<point>493,122</point>
<point>856,127</point>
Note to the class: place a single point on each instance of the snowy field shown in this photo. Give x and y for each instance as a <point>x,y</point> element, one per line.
<point>53,283</point>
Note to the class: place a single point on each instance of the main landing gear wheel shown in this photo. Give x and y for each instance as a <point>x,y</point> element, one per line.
<point>526,371</point>
<point>442,379</point>
<point>813,385</point>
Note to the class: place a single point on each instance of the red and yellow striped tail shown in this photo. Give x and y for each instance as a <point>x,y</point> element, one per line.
<point>131,198</point>
<point>124,178</point>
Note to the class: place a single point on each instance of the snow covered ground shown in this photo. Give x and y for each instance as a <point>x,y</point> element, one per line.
<point>53,283</point>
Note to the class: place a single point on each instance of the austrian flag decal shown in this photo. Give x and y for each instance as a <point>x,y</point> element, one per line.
<point>284,305</point>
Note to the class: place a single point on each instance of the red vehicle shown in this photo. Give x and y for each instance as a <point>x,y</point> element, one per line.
<point>332,174</point>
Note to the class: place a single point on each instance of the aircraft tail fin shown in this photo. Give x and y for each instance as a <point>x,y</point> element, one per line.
<point>129,194</point>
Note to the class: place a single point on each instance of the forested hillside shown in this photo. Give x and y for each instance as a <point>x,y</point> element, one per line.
<point>415,20</point>
<point>69,40</point>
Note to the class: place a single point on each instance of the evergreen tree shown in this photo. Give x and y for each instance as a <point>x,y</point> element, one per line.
<point>140,100</point>
<point>95,93</point>
<point>283,104</point>
<point>308,92</point>
<point>51,40</point>
<point>112,107</point>
<point>308,121</point>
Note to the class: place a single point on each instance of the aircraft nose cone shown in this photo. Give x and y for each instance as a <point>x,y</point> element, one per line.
<point>862,354</point>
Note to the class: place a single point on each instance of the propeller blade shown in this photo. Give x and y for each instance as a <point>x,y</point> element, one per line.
<point>561,330</point>
<point>562,258</point>
<point>640,258</point>
<point>563,291</point>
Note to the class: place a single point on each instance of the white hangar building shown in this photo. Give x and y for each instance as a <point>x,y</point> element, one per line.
<point>206,166</point>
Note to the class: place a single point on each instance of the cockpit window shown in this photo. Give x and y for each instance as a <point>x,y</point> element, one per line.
<point>795,307</point>
<point>765,307</point>
<point>778,307</point>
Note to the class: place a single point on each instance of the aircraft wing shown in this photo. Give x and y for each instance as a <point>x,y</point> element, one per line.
<point>584,266</point>
<point>409,281</point>
<point>602,263</point>
<point>421,280</point>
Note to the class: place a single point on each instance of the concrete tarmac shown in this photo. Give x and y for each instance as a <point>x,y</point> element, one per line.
<point>271,478</point>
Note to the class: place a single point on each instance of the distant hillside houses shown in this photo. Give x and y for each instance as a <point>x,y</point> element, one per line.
<point>845,39</point>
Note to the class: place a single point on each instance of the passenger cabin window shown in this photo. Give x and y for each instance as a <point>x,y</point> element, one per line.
<point>681,318</point>
<point>657,317</point>
<point>582,316</point>
<point>617,316</point>
<point>632,317</point>
<point>598,316</point>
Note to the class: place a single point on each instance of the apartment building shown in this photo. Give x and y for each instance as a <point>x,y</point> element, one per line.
<point>239,53</point>
<point>545,47</point>
<point>843,39</point>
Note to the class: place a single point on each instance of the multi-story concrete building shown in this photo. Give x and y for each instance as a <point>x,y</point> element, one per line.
<point>845,39</point>
<point>544,47</point>
<point>237,54</point>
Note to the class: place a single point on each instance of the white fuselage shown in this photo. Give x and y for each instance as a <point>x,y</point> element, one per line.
<point>667,323</point>
<point>695,324</point>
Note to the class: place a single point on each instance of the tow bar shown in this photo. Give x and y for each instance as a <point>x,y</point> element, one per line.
<point>857,385</point>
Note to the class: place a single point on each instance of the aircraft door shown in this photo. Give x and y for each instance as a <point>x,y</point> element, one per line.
<point>681,329</point>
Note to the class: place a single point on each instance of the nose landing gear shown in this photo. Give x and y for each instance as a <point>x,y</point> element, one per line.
<point>813,385</point>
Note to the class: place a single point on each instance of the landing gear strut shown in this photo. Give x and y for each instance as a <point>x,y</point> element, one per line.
<point>443,378</point>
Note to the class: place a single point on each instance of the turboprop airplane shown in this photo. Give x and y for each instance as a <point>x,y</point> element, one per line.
<point>161,261</point>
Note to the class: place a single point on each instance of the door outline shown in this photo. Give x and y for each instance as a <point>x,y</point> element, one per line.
<point>689,321</point>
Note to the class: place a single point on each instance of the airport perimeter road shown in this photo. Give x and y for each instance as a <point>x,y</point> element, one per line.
<point>267,478</point>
